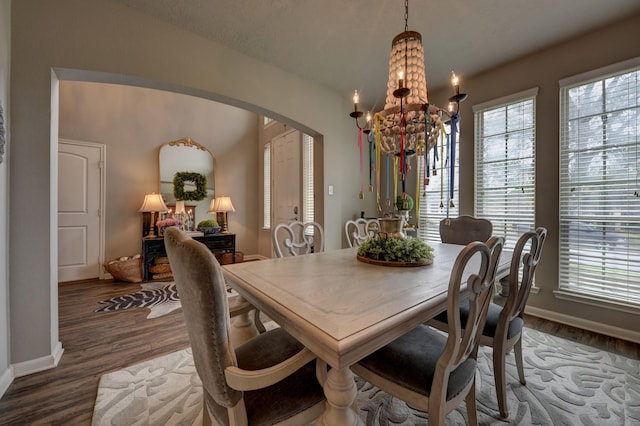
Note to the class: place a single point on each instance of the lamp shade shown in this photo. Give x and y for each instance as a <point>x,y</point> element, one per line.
<point>221,204</point>
<point>180,207</point>
<point>153,203</point>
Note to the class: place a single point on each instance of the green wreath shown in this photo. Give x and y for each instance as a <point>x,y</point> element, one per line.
<point>198,179</point>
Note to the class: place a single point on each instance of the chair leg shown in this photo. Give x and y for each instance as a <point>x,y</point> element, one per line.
<point>519,362</point>
<point>206,417</point>
<point>472,408</point>
<point>499,373</point>
<point>258,322</point>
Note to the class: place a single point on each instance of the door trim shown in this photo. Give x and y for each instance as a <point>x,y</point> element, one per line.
<point>102,196</point>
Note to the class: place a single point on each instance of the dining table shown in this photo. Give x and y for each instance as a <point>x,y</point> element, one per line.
<point>343,309</point>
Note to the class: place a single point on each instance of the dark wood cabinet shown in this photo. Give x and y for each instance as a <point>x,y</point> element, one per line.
<point>154,247</point>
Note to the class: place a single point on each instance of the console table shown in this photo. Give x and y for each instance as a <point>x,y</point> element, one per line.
<point>217,243</point>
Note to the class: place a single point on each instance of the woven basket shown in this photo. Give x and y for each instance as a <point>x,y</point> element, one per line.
<point>129,270</point>
<point>162,268</point>
<point>227,258</point>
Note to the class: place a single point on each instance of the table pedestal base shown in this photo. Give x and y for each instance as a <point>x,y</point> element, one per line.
<point>242,329</point>
<point>341,391</point>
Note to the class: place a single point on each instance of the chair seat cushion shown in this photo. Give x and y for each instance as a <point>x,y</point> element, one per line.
<point>410,361</point>
<point>493,315</point>
<point>286,398</point>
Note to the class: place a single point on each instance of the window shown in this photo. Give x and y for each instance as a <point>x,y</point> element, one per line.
<point>599,175</point>
<point>505,164</point>
<point>434,201</point>
<point>266,121</point>
<point>307,178</point>
<point>266,208</point>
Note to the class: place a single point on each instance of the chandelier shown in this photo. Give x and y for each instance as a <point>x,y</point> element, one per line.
<point>408,125</point>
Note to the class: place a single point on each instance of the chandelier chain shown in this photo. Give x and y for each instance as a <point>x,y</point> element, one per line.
<point>406,15</point>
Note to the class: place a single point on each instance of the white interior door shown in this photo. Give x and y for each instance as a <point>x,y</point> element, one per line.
<point>286,177</point>
<point>80,194</point>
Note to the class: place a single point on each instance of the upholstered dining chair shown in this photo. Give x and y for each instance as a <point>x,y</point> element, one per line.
<point>503,328</point>
<point>295,238</point>
<point>357,231</point>
<point>465,229</point>
<point>271,379</point>
<point>435,372</point>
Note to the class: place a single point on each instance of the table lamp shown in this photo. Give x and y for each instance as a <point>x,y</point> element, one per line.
<point>153,203</point>
<point>222,205</point>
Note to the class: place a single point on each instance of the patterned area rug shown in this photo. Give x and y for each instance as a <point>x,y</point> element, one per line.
<point>567,384</point>
<point>159,297</point>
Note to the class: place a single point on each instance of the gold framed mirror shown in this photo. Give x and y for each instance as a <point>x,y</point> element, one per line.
<point>189,163</point>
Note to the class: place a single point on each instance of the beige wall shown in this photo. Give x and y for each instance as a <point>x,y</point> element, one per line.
<point>133,122</point>
<point>544,69</point>
<point>101,41</point>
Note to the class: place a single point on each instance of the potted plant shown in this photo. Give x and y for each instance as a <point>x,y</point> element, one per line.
<point>209,226</point>
<point>399,251</point>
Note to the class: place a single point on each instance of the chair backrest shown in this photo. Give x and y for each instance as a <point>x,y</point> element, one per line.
<point>359,230</point>
<point>465,229</point>
<point>203,296</point>
<point>526,256</point>
<point>295,238</point>
<point>463,339</point>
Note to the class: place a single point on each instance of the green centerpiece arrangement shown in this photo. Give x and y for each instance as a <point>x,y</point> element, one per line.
<point>209,226</point>
<point>385,251</point>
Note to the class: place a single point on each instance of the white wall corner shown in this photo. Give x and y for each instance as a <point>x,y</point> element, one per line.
<point>6,378</point>
<point>39,364</point>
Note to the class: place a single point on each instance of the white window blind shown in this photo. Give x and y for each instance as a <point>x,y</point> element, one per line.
<point>307,178</point>
<point>599,248</point>
<point>505,165</point>
<point>434,204</point>
<point>266,189</point>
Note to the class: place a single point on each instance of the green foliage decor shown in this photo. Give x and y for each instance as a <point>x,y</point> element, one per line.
<point>198,179</point>
<point>208,223</point>
<point>404,204</point>
<point>410,250</point>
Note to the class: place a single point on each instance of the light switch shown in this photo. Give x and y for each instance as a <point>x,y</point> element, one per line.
<point>330,189</point>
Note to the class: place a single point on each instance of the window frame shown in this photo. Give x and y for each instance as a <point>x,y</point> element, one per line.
<point>578,269</point>
<point>512,205</point>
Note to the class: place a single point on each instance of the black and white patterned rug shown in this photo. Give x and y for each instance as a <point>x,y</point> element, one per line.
<point>160,297</point>
<point>567,384</point>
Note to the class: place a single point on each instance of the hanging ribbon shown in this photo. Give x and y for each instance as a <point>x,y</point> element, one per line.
<point>403,165</point>
<point>378,140</point>
<point>371,161</point>
<point>441,173</point>
<point>386,173</point>
<point>361,149</point>
<point>395,179</point>
<point>452,157</point>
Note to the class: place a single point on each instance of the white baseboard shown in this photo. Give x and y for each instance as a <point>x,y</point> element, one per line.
<point>617,332</point>
<point>39,364</point>
<point>5,380</point>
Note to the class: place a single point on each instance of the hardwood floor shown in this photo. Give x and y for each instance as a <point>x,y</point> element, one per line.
<point>98,343</point>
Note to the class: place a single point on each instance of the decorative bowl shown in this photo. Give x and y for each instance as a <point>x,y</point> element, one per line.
<point>209,231</point>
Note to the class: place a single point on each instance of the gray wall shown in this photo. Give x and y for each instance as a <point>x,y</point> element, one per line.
<point>133,122</point>
<point>102,41</point>
<point>612,44</point>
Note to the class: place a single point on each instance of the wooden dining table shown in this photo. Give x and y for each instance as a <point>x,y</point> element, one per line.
<point>343,309</point>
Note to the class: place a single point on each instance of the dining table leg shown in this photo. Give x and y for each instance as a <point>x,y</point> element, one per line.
<point>340,390</point>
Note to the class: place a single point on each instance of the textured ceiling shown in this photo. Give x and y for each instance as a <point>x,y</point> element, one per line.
<point>345,44</point>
